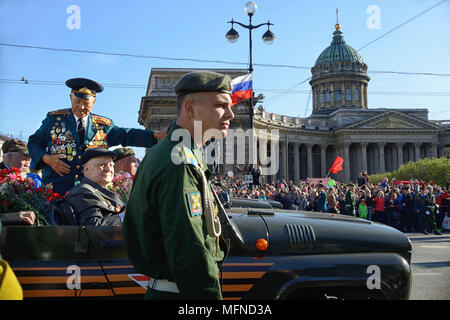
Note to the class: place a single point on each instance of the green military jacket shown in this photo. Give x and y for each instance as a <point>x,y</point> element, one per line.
<point>164,227</point>
<point>430,203</point>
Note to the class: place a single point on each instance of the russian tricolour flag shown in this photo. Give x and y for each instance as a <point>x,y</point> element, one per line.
<point>242,88</point>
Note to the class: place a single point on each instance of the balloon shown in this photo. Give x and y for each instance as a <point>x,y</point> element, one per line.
<point>331,182</point>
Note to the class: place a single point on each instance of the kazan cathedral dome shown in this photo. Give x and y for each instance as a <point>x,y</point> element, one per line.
<point>341,124</point>
<point>339,77</point>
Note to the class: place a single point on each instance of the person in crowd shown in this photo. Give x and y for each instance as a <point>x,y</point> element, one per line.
<point>366,176</point>
<point>321,199</point>
<point>408,206</point>
<point>369,202</point>
<point>15,155</point>
<point>361,180</point>
<point>57,147</point>
<point>362,209</point>
<point>430,207</point>
<point>350,201</point>
<point>441,208</point>
<point>332,202</point>
<point>125,161</point>
<point>93,204</point>
<point>420,209</point>
<point>379,214</point>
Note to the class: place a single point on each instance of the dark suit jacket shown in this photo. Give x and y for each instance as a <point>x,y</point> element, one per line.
<point>94,205</point>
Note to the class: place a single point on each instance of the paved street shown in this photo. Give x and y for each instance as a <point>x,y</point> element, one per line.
<point>430,266</point>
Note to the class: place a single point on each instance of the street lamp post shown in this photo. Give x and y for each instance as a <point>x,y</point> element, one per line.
<point>268,38</point>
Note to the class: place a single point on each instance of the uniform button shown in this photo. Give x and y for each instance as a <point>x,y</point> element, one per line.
<point>76,176</point>
<point>79,157</point>
<point>78,166</point>
<point>81,148</point>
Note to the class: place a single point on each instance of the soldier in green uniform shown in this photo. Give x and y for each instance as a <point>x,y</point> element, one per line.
<point>171,228</point>
<point>430,206</point>
<point>58,145</point>
<point>350,201</point>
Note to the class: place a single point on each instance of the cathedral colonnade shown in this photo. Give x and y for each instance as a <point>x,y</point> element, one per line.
<point>299,160</point>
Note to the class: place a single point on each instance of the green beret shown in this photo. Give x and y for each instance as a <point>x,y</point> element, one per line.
<point>203,81</point>
<point>123,153</point>
<point>15,146</point>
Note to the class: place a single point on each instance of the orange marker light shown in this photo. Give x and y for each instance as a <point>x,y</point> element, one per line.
<point>261,244</point>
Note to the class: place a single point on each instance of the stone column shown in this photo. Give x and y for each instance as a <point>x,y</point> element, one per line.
<point>347,162</point>
<point>400,153</point>
<point>283,147</point>
<point>382,159</point>
<point>416,151</point>
<point>323,160</point>
<point>309,160</point>
<point>434,151</point>
<point>364,163</point>
<point>296,163</point>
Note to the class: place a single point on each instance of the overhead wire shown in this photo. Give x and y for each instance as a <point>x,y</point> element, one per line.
<point>403,23</point>
<point>291,90</point>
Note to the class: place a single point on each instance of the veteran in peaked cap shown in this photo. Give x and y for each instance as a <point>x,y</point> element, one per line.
<point>58,146</point>
<point>84,88</point>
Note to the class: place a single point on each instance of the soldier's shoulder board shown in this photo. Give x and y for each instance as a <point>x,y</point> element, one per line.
<point>59,112</point>
<point>101,120</point>
<point>189,157</point>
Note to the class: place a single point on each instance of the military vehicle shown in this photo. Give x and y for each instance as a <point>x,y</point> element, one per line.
<point>275,254</point>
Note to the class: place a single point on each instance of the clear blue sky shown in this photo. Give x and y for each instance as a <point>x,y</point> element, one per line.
<point>196,29</point>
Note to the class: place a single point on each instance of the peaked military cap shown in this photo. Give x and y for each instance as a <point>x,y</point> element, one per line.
<point>97,152</point>
<point>15,146</point>
<point>203,81</point>
<point>84,88</point>
<point>123,153</point>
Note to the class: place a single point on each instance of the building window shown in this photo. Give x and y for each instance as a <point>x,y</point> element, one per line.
<point>356,95</point>
<point>321,97</point>
<point>348,94</point>
<point>327,96</point>
<point>337,95</point>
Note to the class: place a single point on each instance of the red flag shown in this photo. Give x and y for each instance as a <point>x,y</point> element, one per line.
<point>337,165</point>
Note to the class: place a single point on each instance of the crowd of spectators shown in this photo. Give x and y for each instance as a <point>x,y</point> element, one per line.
<point>395,204</point>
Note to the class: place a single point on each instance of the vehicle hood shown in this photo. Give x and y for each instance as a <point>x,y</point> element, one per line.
<point>295,232</point>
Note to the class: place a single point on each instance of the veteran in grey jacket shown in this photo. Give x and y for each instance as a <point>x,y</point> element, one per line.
<point>92,203</point>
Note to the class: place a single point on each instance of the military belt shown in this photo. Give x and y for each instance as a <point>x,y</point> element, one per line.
<point>163,285</point>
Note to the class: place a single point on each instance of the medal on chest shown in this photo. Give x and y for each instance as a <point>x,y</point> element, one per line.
<point>100,137</point>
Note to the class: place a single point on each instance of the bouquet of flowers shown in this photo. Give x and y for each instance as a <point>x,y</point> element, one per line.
<point>19,193</point>
<point>121,185</point>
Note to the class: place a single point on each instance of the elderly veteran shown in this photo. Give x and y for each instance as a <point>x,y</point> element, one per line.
<point>15,154</point>
<point>93,204</point>
<point>125,161</point>
<point>171,230</point>
<point>59,144</point>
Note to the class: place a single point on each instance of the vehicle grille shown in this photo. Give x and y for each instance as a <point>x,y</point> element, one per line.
<point>300,235</point>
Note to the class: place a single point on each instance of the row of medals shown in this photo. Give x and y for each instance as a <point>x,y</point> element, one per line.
<point>62,141</point>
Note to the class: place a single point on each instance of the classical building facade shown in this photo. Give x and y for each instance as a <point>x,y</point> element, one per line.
<point>376,140</point>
